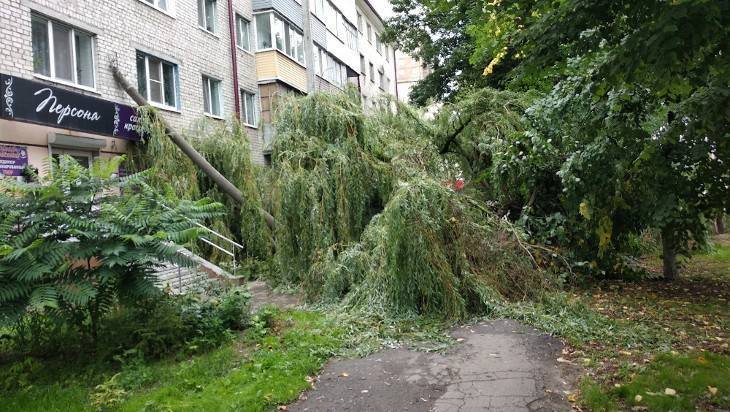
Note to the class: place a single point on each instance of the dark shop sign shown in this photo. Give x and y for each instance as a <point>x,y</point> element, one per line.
<point>36,102</point>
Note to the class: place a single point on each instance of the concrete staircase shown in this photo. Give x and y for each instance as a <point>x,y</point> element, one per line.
<point>179,279</point>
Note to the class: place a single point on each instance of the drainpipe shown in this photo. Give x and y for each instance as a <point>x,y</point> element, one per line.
<point>234,58</point>
<point>308,46</point>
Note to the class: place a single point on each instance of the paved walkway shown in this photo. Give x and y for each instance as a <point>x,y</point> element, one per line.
<point>496,366</point>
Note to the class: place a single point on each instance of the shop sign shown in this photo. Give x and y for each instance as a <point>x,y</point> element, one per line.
<point>36,102</point>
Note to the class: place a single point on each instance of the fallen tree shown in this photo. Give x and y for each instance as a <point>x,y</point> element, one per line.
<point>371,213</point>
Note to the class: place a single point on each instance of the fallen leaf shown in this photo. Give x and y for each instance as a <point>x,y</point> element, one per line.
<point>563,360</point>
<point>344,374</point>
<point>571,398</point>
<point>712,390</point>
<point>670,391</point>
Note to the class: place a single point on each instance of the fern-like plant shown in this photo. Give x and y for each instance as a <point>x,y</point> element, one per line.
<point>82,240</point>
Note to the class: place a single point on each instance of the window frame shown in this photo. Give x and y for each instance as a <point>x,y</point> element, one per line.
<point>359,22</point>
<point>372,72</point>
<point>203,9</point>
<point>249,23</point>
<point>175,80</point>
<point>209,81</point>
<point>244,107</point>
<point>74,54</point>
<point>288,28</point>
<point>155,4</point>
<point>370,33</point>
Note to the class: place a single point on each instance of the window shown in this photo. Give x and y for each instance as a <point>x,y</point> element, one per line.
<point>248,114</point>
<point>381,79</point>
<point>263,31</point>
<point>372,73</point>
<point>370,33</point>
<point>273,32</point>
<point>160,4</point>
<point>319,8</point>
<point>212,97</point>
<point>351,37</point>
<point>378,44</point>
<point>362,64</point>
<point>243,33</point>
<point>207,14</point>
<point>387,84</point>
<point>157,80</point>
<point>387,54</point>
<point>330,15</point>
<point>359,22</point>
<point>62,52</point>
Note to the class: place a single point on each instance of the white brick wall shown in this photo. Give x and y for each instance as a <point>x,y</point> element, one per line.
<point>124,26</point>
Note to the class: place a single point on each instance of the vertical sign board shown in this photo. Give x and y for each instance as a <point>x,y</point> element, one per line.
<point>13,159</point>
<point>35,102</point>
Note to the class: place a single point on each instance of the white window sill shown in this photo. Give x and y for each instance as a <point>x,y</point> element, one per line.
<point>164,107</point>
<point>168,13</point>
<point>244,50</point>
<point>66,83</point>
<point>251,126</point>
<point>213,116</point>
<point>209,32</point>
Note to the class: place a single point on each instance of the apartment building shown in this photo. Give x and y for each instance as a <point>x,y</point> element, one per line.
<point>59,95</point>
<point>192,59</point>
<point>410,72</point>
<point>377,60</point>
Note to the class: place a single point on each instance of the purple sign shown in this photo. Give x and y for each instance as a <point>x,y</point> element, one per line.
<point>13,159</point>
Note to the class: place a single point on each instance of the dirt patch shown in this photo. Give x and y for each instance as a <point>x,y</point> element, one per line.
<point>496,365</point>
<point>262,294</point>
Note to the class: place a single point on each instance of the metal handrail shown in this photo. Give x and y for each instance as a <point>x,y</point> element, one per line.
<point>233,243</point>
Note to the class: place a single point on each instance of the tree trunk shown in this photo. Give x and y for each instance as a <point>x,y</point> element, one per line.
<point>226,186</point>
<point>669,255</point>
<point>720,224</point>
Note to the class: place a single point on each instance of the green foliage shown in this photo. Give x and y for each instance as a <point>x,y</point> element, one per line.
<point>226,147</point>
<point>73,247</point>
<point>366,214</point>
<point>632,131</point>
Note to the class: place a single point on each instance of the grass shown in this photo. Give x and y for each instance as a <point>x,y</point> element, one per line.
<point>686,323</point>
<point>267,367</point>
<point>698,380</point>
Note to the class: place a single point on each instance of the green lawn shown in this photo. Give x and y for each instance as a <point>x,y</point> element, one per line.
<point>255,372</point>
<point>693,359</point>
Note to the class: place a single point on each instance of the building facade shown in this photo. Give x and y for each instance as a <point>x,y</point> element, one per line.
<point>410,72</point>
<point>377,65</point>
<point>177,52</point>
<point>192,59</point>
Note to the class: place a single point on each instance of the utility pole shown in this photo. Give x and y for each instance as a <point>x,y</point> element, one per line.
<point>308,47</point>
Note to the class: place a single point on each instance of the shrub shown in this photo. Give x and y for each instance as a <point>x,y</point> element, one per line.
<point>83,240</point>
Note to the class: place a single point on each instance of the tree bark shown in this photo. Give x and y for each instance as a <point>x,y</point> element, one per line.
<point>224,184</point>
<point>720,224</point>
<point>669,255</point>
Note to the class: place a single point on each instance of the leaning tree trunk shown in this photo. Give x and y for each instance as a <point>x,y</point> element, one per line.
<point>669,255</point>
<point>224,184</point>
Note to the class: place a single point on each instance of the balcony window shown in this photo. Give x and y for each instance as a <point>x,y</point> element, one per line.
<point>157,81</point>
<point>378,44</point>
<point>370,33</point>
<point>243,33</point>
<point>359,22</point>
<point>372,73</point>
<point>212,97</point>
<point>274,32</point>
<point>263,31</point>
<point>62,52</point>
